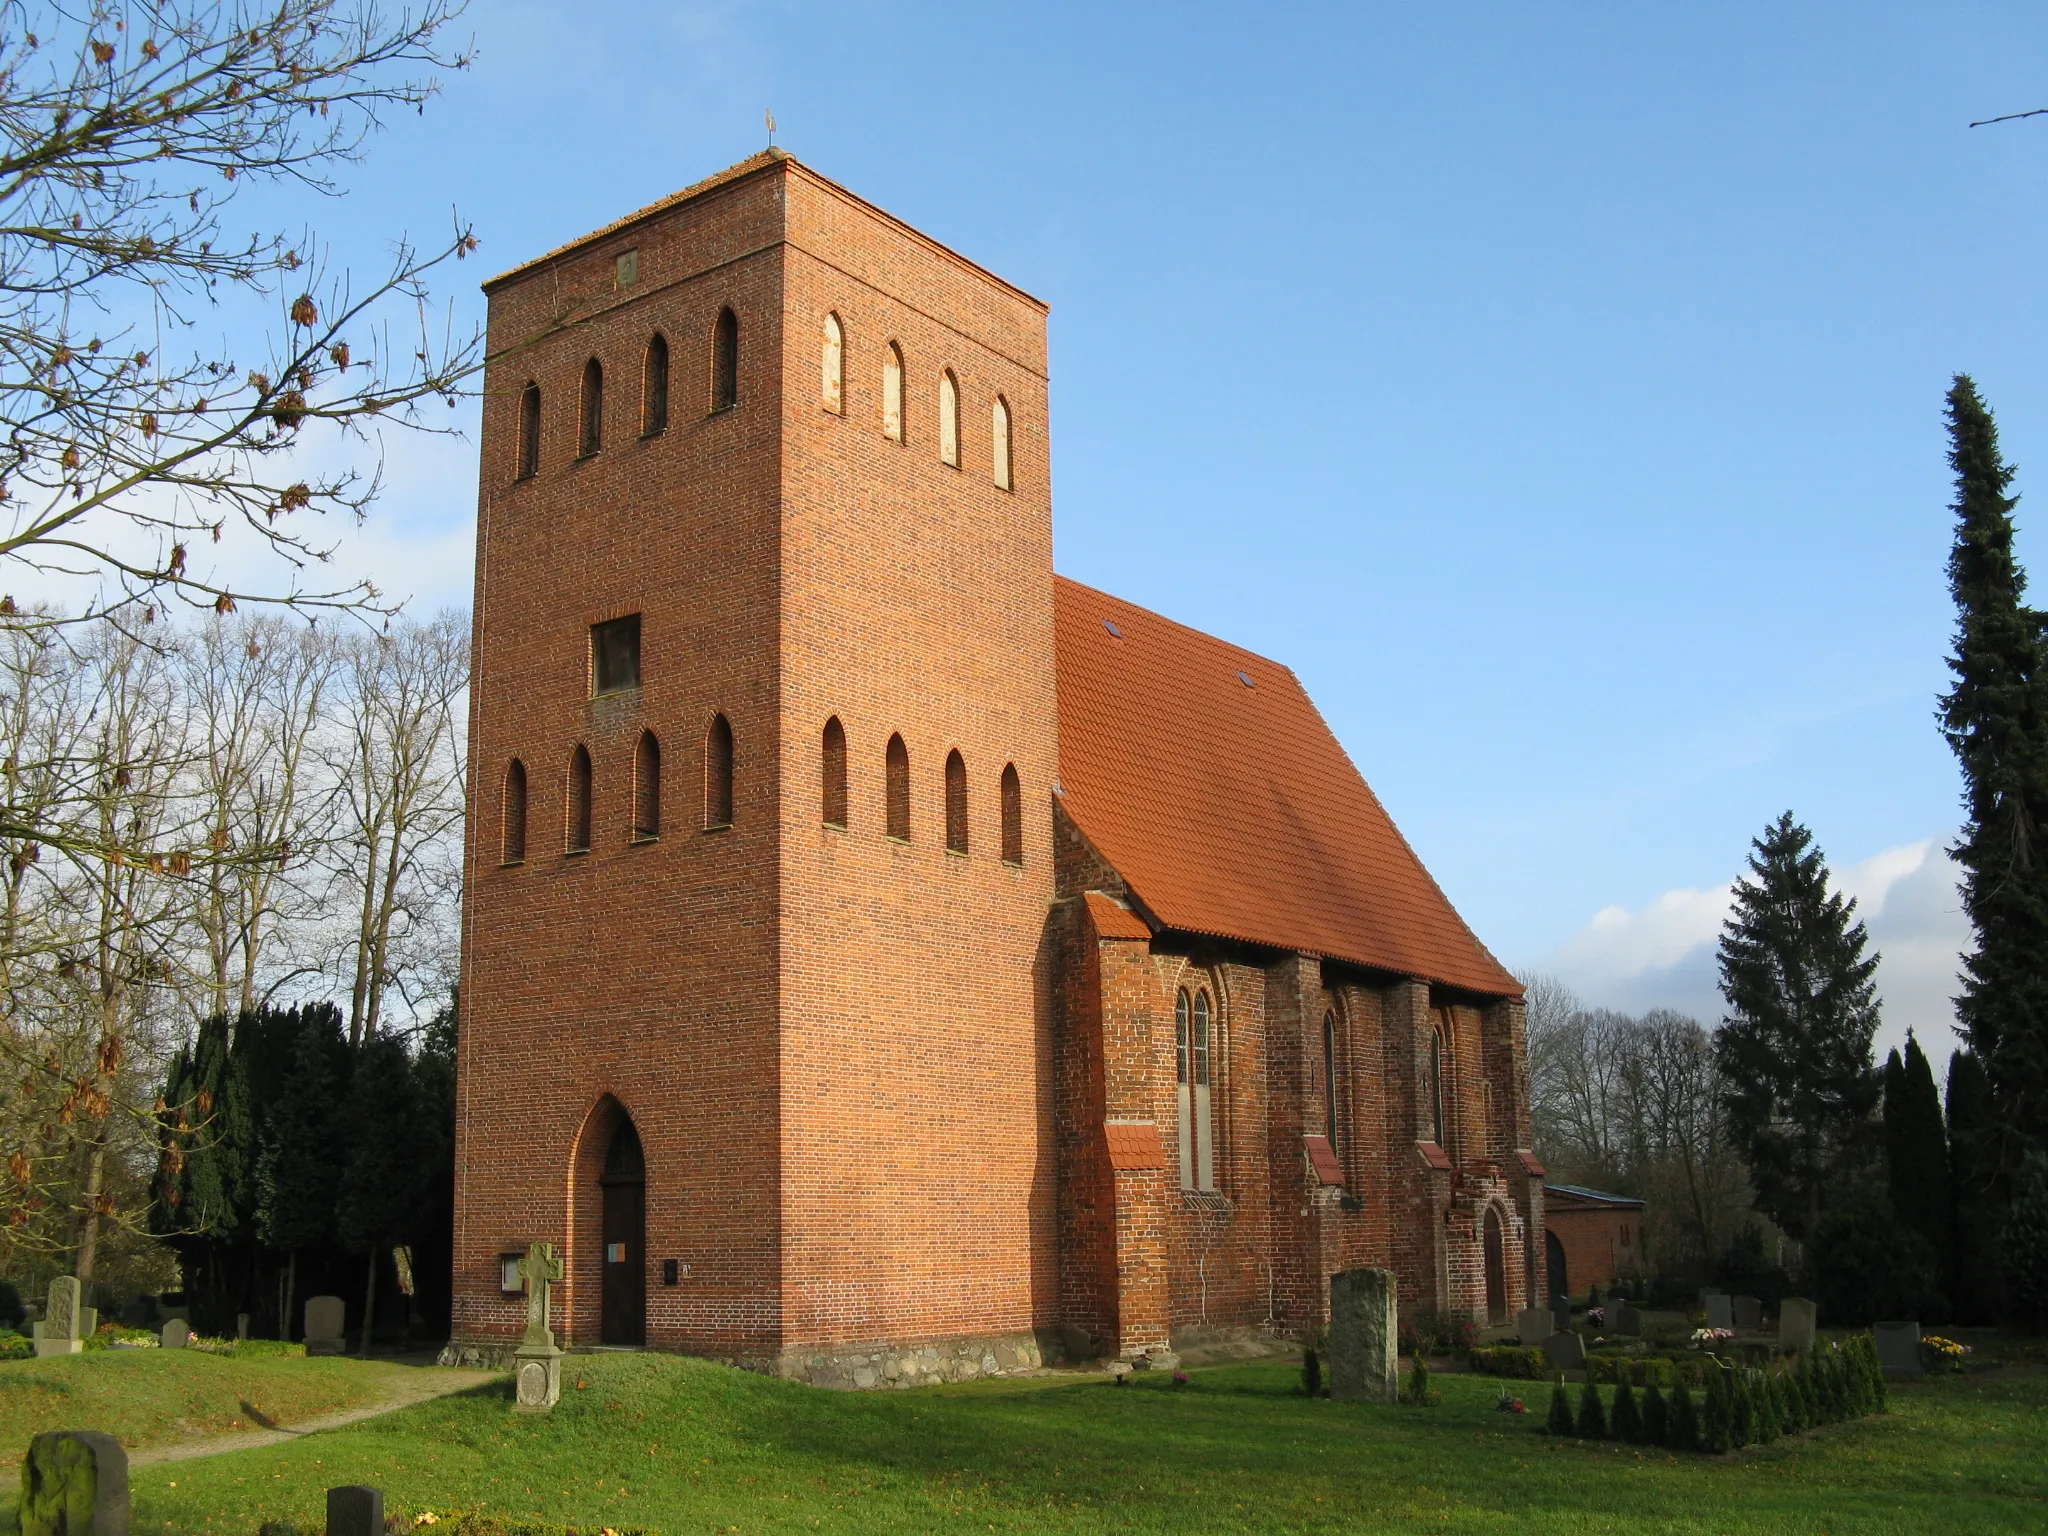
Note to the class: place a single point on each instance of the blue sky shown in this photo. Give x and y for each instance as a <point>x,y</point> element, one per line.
<point>1556,388</point>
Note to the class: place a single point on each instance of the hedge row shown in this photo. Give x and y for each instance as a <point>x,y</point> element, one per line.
<point>1743,1405</point>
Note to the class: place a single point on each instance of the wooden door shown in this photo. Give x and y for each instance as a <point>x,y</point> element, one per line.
<point>623,1293</point>
<point>1496,1270</point>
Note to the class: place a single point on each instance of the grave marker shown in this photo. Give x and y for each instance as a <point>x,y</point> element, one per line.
<point>66,1324</point>
<point>1749,1313</point>
<point>1364,1335</point>
<point>74,1483</point>
<point>1898,1348</point>
<point>325,1319</point>
<point>356,1510</point>
<point>177,1333</point>
<point>1796,1319</point>
<point>1720,1311</point>
<point>537,1367</point>
<point>1565,1352</point>
<point>1533,1325</point>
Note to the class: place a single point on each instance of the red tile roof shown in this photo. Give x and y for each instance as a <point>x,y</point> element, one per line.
<point>1134,1144</point>
<point>1205,775</point>
<point>1434,1156</point>
<point>1115,922</point>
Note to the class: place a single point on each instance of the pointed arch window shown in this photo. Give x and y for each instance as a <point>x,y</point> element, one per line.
<point>832,366</point>
<point>725,361</point>
<point>514,849</point>
<point>529,431</point>
<point>999,442</point>
<point>949,419</point>
<point>1192,1023</point>
<point>718,774</point>
<point>833,773</point>
<point>654,387</point>
<point>896,777</point>
<point>577,839</point>
<point>647,788</point>
<point>1436,1087</point>
<point>590,416</point>
<point>1013,816</point>
<point>892,393</point>
<point>1330,1079</point>
<point>956,802</point>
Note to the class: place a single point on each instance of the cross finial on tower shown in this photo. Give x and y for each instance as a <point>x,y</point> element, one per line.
<point>771,127</point>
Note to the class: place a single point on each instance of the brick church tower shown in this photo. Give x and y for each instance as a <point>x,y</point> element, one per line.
<point>755,1012</point>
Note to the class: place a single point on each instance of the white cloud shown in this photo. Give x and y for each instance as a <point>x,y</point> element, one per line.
<point>1662,956</point>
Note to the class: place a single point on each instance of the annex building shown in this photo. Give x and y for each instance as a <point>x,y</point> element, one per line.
<point>884,958</point>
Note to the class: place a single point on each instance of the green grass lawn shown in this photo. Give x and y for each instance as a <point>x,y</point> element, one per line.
<point>148,1396</point>
<point>683,1446</point>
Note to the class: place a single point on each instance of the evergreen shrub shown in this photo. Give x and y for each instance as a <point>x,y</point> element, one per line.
<point>1628,1423</point>
<point>1560,1419</point>
<point>1592,1413</point>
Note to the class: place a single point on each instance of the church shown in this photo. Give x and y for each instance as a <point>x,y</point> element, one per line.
<point>886,960</point>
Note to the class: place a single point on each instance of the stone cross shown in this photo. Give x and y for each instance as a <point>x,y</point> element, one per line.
<point>540,1269</point>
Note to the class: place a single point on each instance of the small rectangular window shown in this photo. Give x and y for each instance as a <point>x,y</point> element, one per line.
<point>615,654</point>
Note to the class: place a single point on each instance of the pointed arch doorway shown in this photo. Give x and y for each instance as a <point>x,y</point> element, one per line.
<point>1496,1269</point>
<point>622,1295</point>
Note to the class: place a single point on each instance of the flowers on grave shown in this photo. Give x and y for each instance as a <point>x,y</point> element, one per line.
<point>1180,1378</point>
<point>1707,1338</point>
<point>1944,1354</point>
<point>1597,1316</point>
<point>1508,1403</point>
<point>426,1517</point>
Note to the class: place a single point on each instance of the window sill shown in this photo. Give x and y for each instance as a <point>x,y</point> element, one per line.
<point>614,693</point>
<point>956,853</point>
<point>719,826</point>
<point>511,863</point>
<point>650,436</point>
<point>643,839</point>
<point>891,837</point>
<point>1013,863</point>
<point>585,458</point>
<point>833,826</point>
<point>721,410</point>
<point>574,853</point>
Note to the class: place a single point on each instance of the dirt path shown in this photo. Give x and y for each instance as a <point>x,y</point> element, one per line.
<point>417,1384</point>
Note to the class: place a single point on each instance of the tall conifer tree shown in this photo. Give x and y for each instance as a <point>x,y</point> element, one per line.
<point>1996,721</point>
<point>1975,1283</point>
<point>1916,1146</point>
<point>1794,1052</point>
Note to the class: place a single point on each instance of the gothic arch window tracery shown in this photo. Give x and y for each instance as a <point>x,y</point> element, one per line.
<point>1194,1058</point>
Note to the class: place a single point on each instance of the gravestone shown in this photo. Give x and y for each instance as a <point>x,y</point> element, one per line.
<point>1898,1348</point>
<point>1534,1325</point>
<point>1565,1352</point>
<point>1625,1321</point>
<point>65,1323</point>
<point>355,1510</point>
<point>1561,1310</point>
<point>1364,1335</point>
<point>325,1318</point>
<point>74,1483</point>
<point>1720,1310</point>
<point>241,1325</point>
<point>1796,1319</point>
<point>537,1363</point>
<point>177,1333</point>
<point>1749,1313</point>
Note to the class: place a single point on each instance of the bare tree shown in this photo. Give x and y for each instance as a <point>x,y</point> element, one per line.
<point>257,691</point>
<point>399,774</point>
